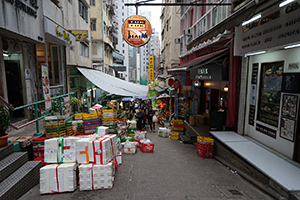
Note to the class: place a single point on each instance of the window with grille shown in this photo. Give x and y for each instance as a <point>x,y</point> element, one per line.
<point>93,24</point>
<point>84,49</point>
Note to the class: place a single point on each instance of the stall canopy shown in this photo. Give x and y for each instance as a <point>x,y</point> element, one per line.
<point>112,84</point>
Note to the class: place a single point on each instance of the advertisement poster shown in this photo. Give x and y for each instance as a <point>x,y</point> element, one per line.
<point>287,130</point>
<point>136,30</point>
<point>67,107</point>
<point>46,89</point>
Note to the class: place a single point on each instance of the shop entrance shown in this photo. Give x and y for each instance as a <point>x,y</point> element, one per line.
<point>14,86</point>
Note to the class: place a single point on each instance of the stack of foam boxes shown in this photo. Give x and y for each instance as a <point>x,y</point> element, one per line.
<point>109,119</point>
<point>97,158</point>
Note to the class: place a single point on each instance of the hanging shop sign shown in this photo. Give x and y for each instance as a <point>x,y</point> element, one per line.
<point>151,68</point>
<point>276,27</point>
<point>46,88</point>
<point>80,35</point>
<point>57,33</point>
<point>208,72</point>
<point>136,30</point>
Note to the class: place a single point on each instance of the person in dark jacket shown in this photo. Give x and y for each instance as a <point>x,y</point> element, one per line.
<point>139,115</point>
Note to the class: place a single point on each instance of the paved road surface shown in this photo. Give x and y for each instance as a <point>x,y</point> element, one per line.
<point>173,171</point>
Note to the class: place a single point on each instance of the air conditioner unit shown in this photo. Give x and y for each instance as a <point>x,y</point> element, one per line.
<point>177,40</point>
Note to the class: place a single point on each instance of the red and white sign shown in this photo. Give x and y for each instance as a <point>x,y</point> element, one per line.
<point>136,30</point>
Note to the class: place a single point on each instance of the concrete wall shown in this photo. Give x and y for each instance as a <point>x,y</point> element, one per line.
<point>16,20</point>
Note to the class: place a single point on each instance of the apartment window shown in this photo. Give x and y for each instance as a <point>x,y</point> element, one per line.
<point>201,26</point>
<point>219,14</point>
<point>93,24</point>
<point>123,45</point>
<point>94,49</point>
<point>83,11</point>
<point>93,3</point>
<point>123,7</point>
<point>123,51</point>
<point>84,49</point>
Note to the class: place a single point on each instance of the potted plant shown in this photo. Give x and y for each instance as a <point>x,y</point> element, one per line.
<point>4,124</point>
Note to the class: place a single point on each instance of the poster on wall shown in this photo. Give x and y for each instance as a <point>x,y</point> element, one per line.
<point>46,89</point>
<point>288,127</point>
<point>67,107</point>
<point>253,94</point>
<point>289,105</point>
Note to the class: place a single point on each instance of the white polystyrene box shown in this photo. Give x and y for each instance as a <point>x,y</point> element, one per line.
<point>67,177</point>
<point>68,150</point>
<point>58,178</point>
<point>48,182</point>
<point>85,177</point>
<point>130,147</point>
<point>103,176</point>
<point>82,150</point>
<point>101,151</point>
<point>51,151</point>
<point>119,158</point>
<point>102,130</point>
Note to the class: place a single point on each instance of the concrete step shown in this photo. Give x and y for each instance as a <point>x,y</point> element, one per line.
<point>11,163</point>
<point>7,150</point>
<point>21,181</point>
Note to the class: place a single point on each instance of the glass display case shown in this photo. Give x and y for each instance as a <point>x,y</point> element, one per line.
<point>270,93</point>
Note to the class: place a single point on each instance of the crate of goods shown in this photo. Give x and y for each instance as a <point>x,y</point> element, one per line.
<point>86,116</point>
<point>102,130</point>
<point>131,134</point>
<point>112,124</point>
<point>130,147</point>
<point>109,119</point>
<point>174,135</point>
<point>56,178</point>
<point>60,150</point>
<point>130,138</point>
<point>205,147</point>
<point>131,124</point>
<point>146,146</point>
<point>131,130</point>
<point>140,135</point>
<point>163,132</point>
<point>78,116</point>
<point>113,131</point>
<point>177,122</point>
<point>109,110</point>
<point>178,127</point>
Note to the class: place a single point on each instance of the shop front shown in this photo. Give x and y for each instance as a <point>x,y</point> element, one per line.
<point>271,90</point>
<point>211,81</point>
<point>17,47</point>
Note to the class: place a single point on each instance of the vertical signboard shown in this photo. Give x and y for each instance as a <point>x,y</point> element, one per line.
<point>46,89</point>
<point>67,107</point>
<point>151,68</point>
<point>253,93</point>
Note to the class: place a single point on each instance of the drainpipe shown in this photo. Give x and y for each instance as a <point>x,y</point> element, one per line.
<point>102,34</point>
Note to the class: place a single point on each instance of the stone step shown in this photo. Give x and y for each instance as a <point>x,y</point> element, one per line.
<point>11,163</point>
<point>7,150</point>
<point>21,181</point>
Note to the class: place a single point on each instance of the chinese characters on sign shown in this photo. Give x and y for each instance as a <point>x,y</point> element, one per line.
<point>151,68</point>
<point>80,34</point>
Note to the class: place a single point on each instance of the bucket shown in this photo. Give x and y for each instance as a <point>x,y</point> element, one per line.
<point>192,120</point>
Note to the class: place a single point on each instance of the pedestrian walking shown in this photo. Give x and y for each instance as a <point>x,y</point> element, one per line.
<point>139,115</point>
<point>150,115</point>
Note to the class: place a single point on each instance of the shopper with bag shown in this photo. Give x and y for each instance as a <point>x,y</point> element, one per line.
<point>152,119</point>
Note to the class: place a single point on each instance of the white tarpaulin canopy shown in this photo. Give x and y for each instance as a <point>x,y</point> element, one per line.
<point>112,84</point>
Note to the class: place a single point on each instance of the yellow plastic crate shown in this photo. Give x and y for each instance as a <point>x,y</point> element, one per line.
<point>78,115</point>
<point>89,115</point>
<point>177,122</point>
<point>109,119</point>
<point>132,134</point>
<point>174,135</point>
<point>202,139</point>
<point>178,128</point>
<point>109,110</point>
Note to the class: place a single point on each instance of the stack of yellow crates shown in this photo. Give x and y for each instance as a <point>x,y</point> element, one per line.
<point>177,129</point>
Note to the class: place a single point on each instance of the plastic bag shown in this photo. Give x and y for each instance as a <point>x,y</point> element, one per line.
<point>154,119</point>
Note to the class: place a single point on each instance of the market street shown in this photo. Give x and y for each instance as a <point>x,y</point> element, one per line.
<point>173,171</point>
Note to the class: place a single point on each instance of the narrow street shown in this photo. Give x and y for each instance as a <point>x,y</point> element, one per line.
<point>173,171</point>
